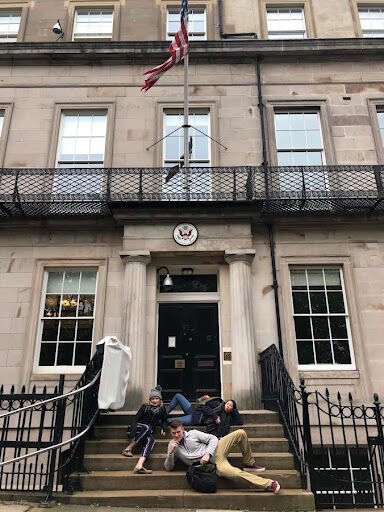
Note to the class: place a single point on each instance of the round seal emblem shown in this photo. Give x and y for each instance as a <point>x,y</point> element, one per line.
<point>185,234</point>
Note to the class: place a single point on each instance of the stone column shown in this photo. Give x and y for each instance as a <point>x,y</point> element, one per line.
<point>133,321</point>
<point>245,382</point>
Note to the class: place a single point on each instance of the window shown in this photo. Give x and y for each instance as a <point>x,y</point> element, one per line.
<point>93,23</point>
<point>299,142</point>
<point>372,21</point>
<point>286,23</point>
<point>173,149</point>
<point>197,24</point>
<point>2,114</point>
<point>81,145</point>
<point>320,313</point>
<point>67,317</point>
<point>9,25</point>
<point>380,117</point>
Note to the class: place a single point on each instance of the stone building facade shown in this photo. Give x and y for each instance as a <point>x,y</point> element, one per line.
<point>70,276</point>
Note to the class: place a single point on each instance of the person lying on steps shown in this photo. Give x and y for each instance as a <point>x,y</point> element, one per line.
<point>194,446</point>
<point>227,416</point>
<point>146,419</point>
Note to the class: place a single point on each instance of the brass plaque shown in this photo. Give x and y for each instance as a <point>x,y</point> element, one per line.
<point>179,363</point>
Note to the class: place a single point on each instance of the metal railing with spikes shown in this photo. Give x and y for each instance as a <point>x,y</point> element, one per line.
<point>338,445</point>
<point>43,434</point>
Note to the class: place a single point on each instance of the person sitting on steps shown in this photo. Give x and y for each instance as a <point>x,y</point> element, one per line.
<point>194,446</point>
<point>146,419</point>
<point>206,411</point>
<point>228,415</point>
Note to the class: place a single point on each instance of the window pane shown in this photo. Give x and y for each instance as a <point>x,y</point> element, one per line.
<point>52,305</point>
<point>300,302</point>
<point>67,330</point>
<point>305,352</point>
<point>320,327</point>
<point>88,282</point>
<point>50,330</point>
<point>47,354</point>
<point>332,279</point>
<point>71,282</point>
<point>341,351</point>
<point>323,352</point>
<point>69,305</point>
<point>83,353</point>
<point>55,281</point>
<point>65,354</point>
<point>318,302</point>
<point>303,328</point>
<point>298,280</point>
<point>84,330</point>
<point>315,279</point>
<point>338,327</point>
<point>86,305</point>
<point>336,302</point>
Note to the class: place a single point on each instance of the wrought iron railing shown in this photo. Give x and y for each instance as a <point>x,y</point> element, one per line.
<point>272,190</point>
<point>338,445</point>
<point>43,434</point>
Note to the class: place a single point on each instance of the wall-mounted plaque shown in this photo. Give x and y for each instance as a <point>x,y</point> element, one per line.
<point>185,234</point>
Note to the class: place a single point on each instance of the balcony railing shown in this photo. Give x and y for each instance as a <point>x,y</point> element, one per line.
<point>271,190</point>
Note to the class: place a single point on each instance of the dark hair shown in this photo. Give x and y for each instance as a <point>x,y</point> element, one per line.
<point>234,403</point>
<point>175,424</point>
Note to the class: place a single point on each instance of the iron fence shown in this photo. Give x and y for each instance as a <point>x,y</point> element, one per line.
<point>35,428</point>
<point>338,446</point>
<point>272,190</point>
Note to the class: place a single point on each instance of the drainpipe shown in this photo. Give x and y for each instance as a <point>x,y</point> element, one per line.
<point>225,35</point>
<point>269,226</point>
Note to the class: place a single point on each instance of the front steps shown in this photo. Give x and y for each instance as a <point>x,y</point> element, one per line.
<point>111,481</point>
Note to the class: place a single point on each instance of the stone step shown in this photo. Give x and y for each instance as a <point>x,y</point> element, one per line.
<point>116,462</point>
<point>286,500</point>
<point>270,444</point>
<point>126,480</point>
<point>250,417</point>
<point>261,430</point>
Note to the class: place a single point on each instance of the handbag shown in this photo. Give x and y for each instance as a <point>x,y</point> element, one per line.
<point>202,477</point>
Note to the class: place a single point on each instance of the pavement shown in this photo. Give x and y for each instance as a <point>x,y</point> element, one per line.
<point>25,506</point>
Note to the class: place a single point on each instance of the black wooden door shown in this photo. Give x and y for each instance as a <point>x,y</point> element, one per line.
<point>188,352</point>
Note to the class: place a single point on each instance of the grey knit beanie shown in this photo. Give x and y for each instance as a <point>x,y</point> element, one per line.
<point>156,391</point>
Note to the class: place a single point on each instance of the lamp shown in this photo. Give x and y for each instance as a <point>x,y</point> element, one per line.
<point>58,30</point>
<point>167,283</point>
<point>187,271</point>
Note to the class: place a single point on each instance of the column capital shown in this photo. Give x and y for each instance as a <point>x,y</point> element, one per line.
<point>135,257</point>
<point>244,255</point>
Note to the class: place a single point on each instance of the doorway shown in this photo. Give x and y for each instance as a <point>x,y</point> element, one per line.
<point>188,350</point>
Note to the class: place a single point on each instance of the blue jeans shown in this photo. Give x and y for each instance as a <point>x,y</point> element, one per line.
<point>185,405</point>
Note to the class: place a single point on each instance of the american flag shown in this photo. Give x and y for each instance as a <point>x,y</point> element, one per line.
<point>178,49</point>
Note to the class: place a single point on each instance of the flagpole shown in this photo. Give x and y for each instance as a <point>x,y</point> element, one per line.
<point>186,105</point>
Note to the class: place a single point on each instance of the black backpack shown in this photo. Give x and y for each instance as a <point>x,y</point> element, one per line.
<point>202,477</point>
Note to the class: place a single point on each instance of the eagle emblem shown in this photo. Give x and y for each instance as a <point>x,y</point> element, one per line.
<point>185,234</point>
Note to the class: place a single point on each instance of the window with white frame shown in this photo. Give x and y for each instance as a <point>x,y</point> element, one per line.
<point>286,23</point>
<point>323,337</point>
<point>372,20</point>
<point>380,117</point>
<point>9,25</point>
<point>173,150</point>
<point>197,23</point>
<point>2,114</point>
<point>93,23</point>
<point>299,142</point>
<point>67,317</point>
<point>81,145</point>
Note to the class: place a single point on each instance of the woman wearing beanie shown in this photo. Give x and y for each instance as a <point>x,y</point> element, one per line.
<point>146,419</point>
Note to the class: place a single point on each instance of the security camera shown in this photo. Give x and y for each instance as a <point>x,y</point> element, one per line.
<point>58,29</point>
